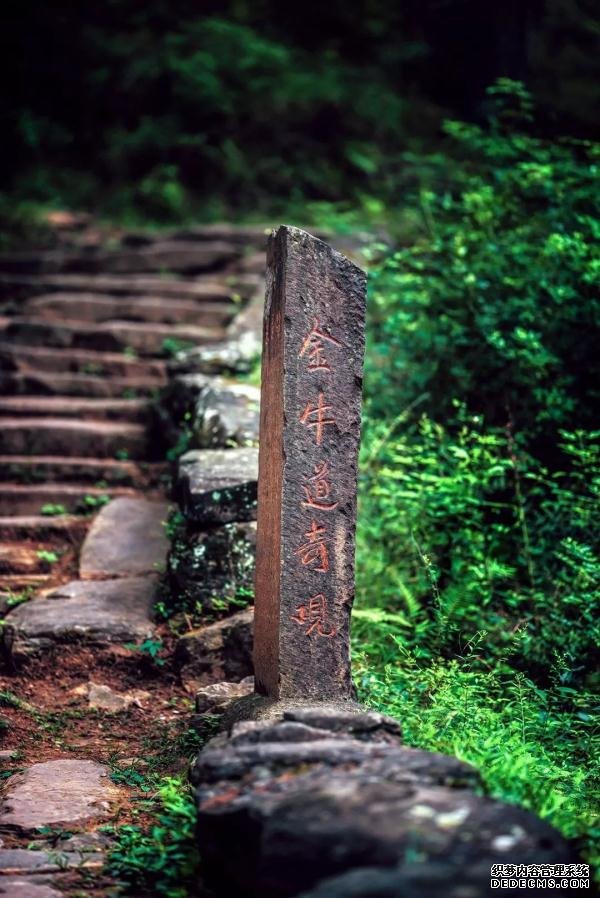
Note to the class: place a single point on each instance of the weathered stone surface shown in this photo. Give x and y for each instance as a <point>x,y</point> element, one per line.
<point>444,877</point>
<point>66,792</point>
<point>216,486</point>
<point>250,320</point>
<point>8,754</point>
<point>313,348</point>
<point>88,610</point>
<point>318,802</point>
<point>218,696</point>
<point>235,355</point>
<point>216,412</point>
<point>211,412</point>
<point>126,539</point>
<point>227,415</point>
<point>220,651</point>
<point>167,255</point>
<point>212,565</point>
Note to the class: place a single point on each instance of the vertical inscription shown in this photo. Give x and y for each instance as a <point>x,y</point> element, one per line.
<point>311,385</point>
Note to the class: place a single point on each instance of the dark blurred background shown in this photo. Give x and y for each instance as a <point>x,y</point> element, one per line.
<point>174,108</point>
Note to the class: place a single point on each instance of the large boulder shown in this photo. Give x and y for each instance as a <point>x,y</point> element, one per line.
<point>213,412</point>
<point>220,651</point>
<point>217,486</point>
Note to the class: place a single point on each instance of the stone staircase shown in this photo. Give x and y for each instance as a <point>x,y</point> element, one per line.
<point>86,328</point>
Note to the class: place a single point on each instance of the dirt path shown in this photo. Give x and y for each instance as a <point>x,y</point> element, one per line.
<point>92,709</point>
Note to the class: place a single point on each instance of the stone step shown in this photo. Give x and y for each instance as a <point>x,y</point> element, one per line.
<point>163,255</point>
<point>68,384</point>
<point>64,436</point>
<point>14,583</point>
<point>112,336</point>
<point>70,794</point>
<point>153,309</point>
<point>72,407</point>
<point>65,527</point>
<point>201,289</point>
<point>25,359</point>
<point>32,499</point>
<point>142,544</point>
<point>26,557</point>
<point>246,236</point>
<point>98,612</point>
<point>52,469</point>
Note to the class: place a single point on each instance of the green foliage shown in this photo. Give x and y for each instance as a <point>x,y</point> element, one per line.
<point>53,509</point>
<point>478,574</point>
<point>497,302</point>
<point>183,443</point>
<point>535,747</point>
<point>186,110</point>
<point>465,537</point>
<point>88,503</point>
<point>150,648</point>
<point>47,556</point>
<point>162,860</point>
<point>130,776</point>
<point>170,346</point>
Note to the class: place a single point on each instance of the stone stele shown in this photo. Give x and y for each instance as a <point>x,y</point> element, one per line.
<point>313,347</point>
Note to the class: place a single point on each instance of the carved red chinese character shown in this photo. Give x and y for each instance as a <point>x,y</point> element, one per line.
<point>314,347</point>
<point>314,552</point>
<point>313,616</point>
<point>318,416</point>
<point>317,489</point>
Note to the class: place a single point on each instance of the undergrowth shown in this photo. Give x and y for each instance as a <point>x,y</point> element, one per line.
<point>478,568</point>
<point>163,858</point>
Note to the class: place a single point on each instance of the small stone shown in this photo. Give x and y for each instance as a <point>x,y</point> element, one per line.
<point>221,651</point>
<point>126,539</point>
<point>221,695</point>
<point>217,486</point>
<point>83,610</point>
<point>125,763</point>
<point>65,793</point>
<point>105,699</point>
<point>209,567</point>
